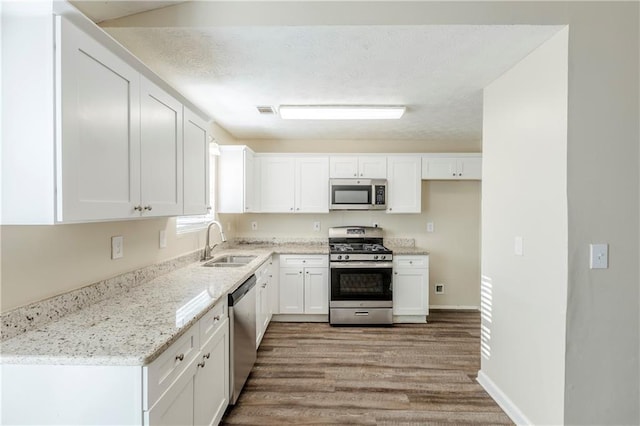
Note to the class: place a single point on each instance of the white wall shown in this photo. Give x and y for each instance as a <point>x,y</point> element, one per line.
<point>524,195</point>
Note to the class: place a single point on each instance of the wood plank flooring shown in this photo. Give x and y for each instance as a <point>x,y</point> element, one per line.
<point>419,374</point>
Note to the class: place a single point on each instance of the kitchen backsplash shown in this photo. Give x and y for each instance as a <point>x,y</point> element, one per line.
<point>36,314</point>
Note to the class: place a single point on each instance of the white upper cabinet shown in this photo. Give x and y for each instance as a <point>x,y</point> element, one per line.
<point>90,138</point>
<point>196,164</point>
<point>100,134</point>
<point>236,180</point>
<point>160,152</point>
<point>312,185</point>
<point>277,186</point>
<point>294,184</point>
<point>404,184</point>
<point>362,166</point>
<point>452,167</point>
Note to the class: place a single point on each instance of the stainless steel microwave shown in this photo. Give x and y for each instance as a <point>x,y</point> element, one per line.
<point>358,194</point>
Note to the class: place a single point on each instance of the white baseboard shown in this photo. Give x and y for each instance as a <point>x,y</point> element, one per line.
<point>455,307</point>
<point>409,319</point>
<point>502,400</point>
<point>300,318</point>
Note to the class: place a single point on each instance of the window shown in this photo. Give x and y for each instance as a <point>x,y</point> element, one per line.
<point>198,222</point>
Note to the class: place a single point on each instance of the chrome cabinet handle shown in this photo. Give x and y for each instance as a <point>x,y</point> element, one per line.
<point>180,357</point>
<point>148,208</point>
<point>138,208</point>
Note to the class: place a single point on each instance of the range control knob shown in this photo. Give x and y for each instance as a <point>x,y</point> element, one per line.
<point>339,257</point>
<point>375,257</point>
<point>383,257</point>
<point>346,257</point>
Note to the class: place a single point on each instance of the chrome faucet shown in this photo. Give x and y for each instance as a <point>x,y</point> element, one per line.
<point>207,246</point>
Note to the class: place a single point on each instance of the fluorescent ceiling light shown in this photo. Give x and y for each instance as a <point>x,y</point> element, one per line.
<point>340,112</point>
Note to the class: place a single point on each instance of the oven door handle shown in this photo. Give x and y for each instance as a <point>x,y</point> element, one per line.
<point>360,265</point>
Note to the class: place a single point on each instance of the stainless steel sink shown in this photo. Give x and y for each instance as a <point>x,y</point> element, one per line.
<point>230,261</point>
<point>223,265</point>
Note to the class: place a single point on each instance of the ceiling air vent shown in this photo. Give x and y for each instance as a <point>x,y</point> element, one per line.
<point>266,110</point>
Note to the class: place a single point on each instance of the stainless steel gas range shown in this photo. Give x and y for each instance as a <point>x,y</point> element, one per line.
<point>361,274</point>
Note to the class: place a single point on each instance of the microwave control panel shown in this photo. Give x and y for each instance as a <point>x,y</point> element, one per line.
<point>380,195</point>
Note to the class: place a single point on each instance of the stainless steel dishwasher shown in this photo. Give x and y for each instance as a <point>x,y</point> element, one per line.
<point>242,316</point>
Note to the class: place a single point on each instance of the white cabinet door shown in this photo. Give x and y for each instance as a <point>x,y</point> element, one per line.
<point>161,151</point>
<point>410,291</point>
<point>404,184</point>
<point>277,189</point>
<point>372,167</point>
<point>196,165</point>
<point>176,405</point>
<point>343,166</point>
<point>316,291</point>
<point>312,185</point>
<point>364,166</point>
<point>99,136</point>
<point>236,180</point>
<point>470,168</point>
<point>211,395</point>
<point>452,168</point>
<point>291,291</point>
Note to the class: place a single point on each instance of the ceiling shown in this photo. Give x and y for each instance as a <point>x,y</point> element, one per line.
<point>437,71</point>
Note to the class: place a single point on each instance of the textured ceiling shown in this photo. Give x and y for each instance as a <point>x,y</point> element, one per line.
<point>437,71</point>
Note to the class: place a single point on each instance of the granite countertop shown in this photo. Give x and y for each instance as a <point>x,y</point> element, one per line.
<point>135,327</point>
<point>400,250</point>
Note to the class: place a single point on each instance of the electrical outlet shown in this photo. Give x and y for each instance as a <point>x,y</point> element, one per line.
<point>316,226</point>
<point>117,247</point>
<point>429,226</point>
<point>254,226</point>
<point>439,288</point>
<point>163,238</point>
<point>598,256</point>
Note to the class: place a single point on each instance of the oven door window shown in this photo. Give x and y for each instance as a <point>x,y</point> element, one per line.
<point>361,284</point>
<point>351,194</point>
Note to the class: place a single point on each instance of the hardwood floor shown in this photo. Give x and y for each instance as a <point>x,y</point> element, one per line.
<point>312,373</point>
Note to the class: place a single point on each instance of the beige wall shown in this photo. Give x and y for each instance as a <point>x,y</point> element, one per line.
<point>525,126</point>
<point>453,207</point>
<point>43,261</point>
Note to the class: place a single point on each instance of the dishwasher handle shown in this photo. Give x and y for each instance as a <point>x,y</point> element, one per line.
<point>244,288</point>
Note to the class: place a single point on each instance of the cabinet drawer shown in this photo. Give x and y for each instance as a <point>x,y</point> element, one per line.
<point>210,322</point>
<point>292,260</point>
<point>162,372</point>
<point>411,261</point>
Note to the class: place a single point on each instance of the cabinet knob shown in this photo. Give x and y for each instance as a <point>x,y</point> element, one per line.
<point>216,318</point>
<point>138,208</point>
<point>361,174</point>
<point>207,356</point>
<point>208,207</point>
<point>390,209</point>
<point>411,262</point>
<point>355,175</point>
<point>298,208</point>
<point>300,272</point>
<point>149,208</point>
<point>395,273</point>
<point>180,357</point>
<point>201,364</point>
<point>291,209</point>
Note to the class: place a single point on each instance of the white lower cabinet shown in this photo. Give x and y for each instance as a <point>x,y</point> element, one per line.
<point>264,284</point>
<point>304,284</point>
<point>188,384</point>
<point>410,288</point>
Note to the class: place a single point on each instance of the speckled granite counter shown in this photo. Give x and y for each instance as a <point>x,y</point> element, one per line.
<point>400,250</point>
<point>134,327</point>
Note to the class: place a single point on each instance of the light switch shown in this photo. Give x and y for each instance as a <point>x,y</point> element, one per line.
<point>518,246</point>
<point>316,226</point>
<point>598,256</point>
<point>254,226</point>
<point>117,247</point>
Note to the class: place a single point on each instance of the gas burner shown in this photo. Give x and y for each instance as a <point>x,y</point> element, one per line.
<point>366,246</point>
